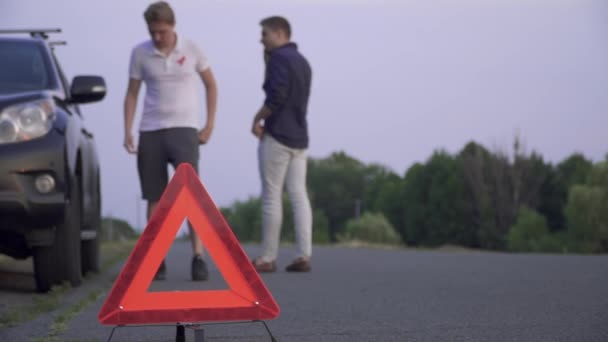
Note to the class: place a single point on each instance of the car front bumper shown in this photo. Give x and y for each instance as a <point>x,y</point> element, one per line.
<point>22,206</point>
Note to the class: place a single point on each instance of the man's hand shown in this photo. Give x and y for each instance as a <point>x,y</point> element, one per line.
<point>129,145</point>
<point>204,134</point>
<point>257,129</point>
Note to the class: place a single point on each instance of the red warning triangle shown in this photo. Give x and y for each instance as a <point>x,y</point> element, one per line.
<point>247,298</point>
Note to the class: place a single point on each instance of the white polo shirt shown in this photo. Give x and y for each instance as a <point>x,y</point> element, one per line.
<point>171,84</point>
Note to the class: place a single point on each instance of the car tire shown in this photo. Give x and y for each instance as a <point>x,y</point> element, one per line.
<point>90,248</point>
<point>61,261</point>
<point>45,271</point>
<point>90,256</point>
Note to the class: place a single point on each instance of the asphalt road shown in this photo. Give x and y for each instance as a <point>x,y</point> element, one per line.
<point>366,294</point>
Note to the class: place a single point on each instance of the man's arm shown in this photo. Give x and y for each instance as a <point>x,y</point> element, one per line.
<point>275,87</point>
<point>129,113</point>
<point>211,97</point>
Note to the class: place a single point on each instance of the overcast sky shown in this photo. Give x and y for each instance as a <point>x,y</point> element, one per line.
<point>392,80</point>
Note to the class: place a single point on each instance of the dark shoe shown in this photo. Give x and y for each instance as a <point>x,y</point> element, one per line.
<point>264,266</point>
<point>161,273</point>
<point>199,268</point>
<point>299,265</point>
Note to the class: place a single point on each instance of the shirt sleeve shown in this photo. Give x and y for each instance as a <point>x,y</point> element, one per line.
<point>202,63</point>
<point>276,85</point>
<point>135,67</point>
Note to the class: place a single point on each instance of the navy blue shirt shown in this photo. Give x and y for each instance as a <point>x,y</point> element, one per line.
<point>287,88</point>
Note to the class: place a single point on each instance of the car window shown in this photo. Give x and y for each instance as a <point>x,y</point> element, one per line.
<point>64,80</point>
<point>23,67</point>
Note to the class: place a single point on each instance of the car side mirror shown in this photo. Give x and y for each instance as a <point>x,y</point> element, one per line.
<point>87,89</point>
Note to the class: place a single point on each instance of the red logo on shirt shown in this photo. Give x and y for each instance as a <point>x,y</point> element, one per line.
<point>181,60</point>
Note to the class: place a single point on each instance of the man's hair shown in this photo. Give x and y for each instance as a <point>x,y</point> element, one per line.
<point>159,11</point>
<point>277,23</point>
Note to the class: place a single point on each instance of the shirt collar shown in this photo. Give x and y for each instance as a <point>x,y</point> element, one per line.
<point>286,46</point>
<point>179,44</point>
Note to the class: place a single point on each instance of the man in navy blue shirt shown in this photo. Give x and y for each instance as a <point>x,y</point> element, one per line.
<point>282,129</point>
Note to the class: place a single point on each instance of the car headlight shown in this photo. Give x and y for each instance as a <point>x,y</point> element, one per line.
<point>26,121</point>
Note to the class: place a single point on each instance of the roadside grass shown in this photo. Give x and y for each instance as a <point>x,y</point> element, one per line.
<point>44,303</point>
<point>364,244</point>
<point>115,252</point>
<point>60,324</point>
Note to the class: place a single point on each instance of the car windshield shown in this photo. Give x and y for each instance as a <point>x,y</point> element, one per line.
<point>23,67</point>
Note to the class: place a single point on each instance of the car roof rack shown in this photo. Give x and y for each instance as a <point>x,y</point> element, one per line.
<point>41,33</point>
<point>57,42</point>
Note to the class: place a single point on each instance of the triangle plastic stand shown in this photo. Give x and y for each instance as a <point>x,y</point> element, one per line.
<point>129,302</point>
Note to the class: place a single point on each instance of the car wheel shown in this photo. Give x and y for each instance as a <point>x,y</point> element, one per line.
<point>61,261</point>
<point>90,248</point>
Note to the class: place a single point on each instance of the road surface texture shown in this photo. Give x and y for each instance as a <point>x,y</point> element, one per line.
<point>371,294</point>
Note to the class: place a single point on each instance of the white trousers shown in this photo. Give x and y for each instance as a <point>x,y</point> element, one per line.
<point>280,165</point>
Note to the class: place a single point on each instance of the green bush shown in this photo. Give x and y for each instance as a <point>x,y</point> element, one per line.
<point>320,227</point>
<point>587,211</point>
<point>529,232</point>
<point>113,229</point>
<point>371,227</point>
<point>553,243</point>
<point>245,219</point>
<point>587,217</point>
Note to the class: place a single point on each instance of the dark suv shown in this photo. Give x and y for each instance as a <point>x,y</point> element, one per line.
<point>50,200</point>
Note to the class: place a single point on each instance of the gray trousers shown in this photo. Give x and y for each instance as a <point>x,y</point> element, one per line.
<point>280,165</point>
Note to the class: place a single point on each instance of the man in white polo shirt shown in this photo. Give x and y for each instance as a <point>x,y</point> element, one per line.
<point>169,128</point>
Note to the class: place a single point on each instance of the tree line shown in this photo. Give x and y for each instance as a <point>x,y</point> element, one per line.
<point>477,198</point>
